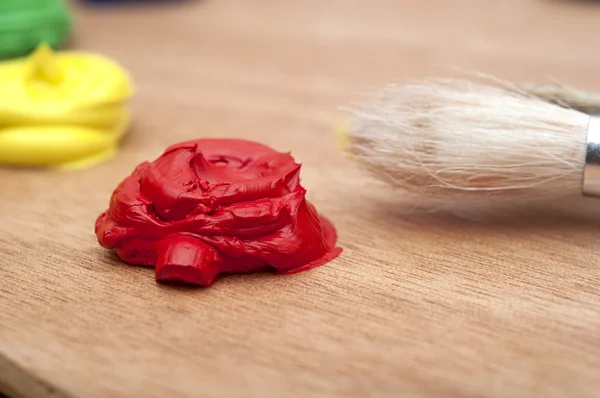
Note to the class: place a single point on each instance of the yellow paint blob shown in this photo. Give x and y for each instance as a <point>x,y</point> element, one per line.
<point>64,109</point>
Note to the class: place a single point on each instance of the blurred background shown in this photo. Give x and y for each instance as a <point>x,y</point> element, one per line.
<point>224,66</point>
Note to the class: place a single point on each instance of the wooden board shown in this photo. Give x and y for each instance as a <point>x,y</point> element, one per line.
<point>414,307</point>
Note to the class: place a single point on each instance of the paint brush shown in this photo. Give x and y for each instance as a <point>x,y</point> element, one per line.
<point>470,146</point>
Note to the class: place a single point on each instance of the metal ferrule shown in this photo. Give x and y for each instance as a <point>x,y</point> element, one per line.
<point>591,171</point>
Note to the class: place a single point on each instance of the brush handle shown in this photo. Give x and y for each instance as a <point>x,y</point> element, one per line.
<point>591,173</point>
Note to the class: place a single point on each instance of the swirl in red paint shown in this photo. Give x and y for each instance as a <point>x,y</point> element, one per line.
<point>210,207</point>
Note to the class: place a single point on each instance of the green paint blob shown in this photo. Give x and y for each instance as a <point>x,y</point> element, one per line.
<point>24,24</point>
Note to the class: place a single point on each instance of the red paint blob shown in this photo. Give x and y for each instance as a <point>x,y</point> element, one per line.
<point>216,206</point>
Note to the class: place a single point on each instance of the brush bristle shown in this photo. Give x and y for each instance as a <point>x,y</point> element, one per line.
<point>458,144</point>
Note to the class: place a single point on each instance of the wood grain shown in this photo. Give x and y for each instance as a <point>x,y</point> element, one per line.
<point>415,307</point>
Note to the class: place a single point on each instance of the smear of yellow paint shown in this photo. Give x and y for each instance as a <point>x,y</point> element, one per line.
<point>342,138</point>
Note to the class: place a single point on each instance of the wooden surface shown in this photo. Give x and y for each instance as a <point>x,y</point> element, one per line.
<point>413,308</point>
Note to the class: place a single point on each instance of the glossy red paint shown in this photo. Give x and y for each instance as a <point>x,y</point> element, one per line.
<point>216,206</point>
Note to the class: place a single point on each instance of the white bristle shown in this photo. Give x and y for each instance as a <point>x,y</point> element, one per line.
<point>458,144</point>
